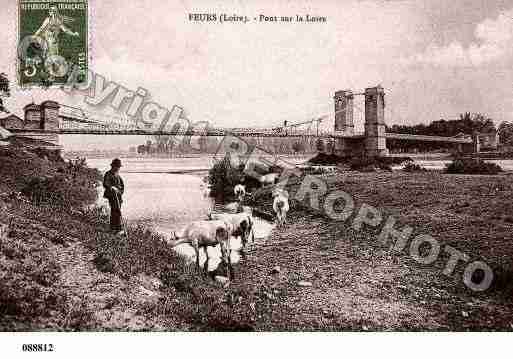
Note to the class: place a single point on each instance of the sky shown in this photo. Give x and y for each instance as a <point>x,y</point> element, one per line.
<point>435,59</point>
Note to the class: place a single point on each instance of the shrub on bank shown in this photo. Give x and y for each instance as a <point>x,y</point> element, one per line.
<point>369,164</point>
<point>411,166</point>
<point>74,185</point>
<point>472,166</point>
<point>325,159</point>
<point>44,177</point>
<point>358,163</point>
<point>224,176</point>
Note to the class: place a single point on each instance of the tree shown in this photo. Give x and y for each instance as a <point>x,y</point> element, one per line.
<point>467,123</point>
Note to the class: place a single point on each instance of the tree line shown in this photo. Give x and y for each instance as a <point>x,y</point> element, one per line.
<point>467,124</point>
<point>172,145</point>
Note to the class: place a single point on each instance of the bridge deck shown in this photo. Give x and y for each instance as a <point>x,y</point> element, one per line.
<point>236,132</point>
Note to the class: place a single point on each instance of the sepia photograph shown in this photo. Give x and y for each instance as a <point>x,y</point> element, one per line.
<point>299,168</point>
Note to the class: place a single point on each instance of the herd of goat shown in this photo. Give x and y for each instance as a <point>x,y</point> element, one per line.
<point>221,226</point>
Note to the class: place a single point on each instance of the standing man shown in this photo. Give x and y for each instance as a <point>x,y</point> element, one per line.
<point>114,188</point>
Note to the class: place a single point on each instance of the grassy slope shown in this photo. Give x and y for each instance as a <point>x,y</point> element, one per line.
<point>60,269</point>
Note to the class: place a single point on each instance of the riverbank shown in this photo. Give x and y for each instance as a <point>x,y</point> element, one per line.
<point>357,283</point>
<point>62,270</point>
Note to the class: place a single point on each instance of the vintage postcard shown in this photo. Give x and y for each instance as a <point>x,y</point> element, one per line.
<point>255,166</point>
<point>53,42</point>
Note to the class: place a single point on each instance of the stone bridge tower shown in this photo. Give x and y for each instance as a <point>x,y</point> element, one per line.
<point>42,117</point>
<point>344,112</point>
<point>344,123</point>
<point>375,141</point>
<point>50,115</point>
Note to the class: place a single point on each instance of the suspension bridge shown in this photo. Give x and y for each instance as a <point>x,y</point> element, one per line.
<point>52,119</point>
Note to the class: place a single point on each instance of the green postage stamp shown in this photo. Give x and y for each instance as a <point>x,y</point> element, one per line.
<point>52,42</point>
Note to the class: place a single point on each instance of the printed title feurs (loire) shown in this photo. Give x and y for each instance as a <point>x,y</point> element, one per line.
<point>203,17</point>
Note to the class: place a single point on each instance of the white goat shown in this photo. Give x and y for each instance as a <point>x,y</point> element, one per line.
<point>331,169</point>
<point>239,191</point>
<point>241,225</point>
<point>281,206</point>
<point>202,234</point>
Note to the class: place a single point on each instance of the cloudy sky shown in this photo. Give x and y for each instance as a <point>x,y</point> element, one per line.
<point>434,58</point>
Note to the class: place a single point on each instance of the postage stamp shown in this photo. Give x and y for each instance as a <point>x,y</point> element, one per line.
<point>52,42</point>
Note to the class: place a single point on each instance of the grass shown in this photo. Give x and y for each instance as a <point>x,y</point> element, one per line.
<point>29,268</point>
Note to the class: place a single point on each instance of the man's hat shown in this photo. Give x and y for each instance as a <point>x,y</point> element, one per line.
<point>116,162</point>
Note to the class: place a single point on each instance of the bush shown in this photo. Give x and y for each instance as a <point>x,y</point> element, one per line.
<point>327,159</point>
<point>59,190</point>
<point>223,177</point>
<point>369,164</point>
<point>411,166</point>
<point>74,185</point>
<point>34,174</point>
<point>51,155</point>
<point>358,163</point>
<point>472,166</point>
